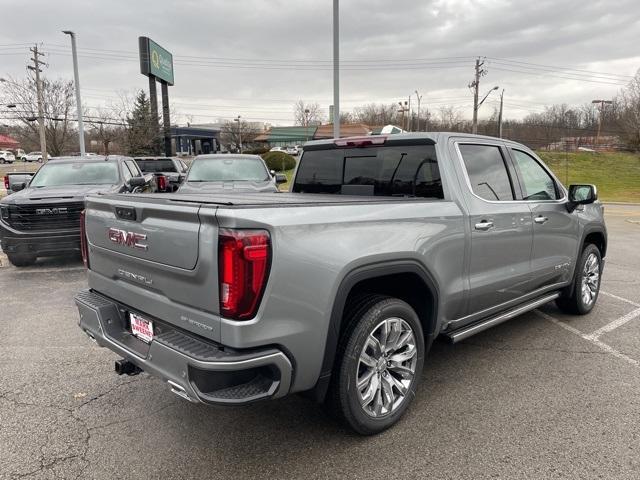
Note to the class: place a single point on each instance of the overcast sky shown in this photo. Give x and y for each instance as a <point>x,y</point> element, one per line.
<point>255,58</point>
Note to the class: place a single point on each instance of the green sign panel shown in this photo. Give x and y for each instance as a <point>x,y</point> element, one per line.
<point>155,61</point>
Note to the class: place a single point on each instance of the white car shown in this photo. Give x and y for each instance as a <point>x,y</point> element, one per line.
<point>295,150</point>
<point>278,149</point>
<point>33,157</point>
<point>7,157</point>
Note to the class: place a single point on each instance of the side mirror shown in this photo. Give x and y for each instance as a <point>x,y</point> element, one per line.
<point>134,182</point>
<point>581,195</point>
<point>281,178</point>
<point>272,172</point>
<point>16,187</point>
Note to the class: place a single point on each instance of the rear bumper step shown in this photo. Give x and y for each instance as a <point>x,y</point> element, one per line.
<point>456,336</point>
<point>195,369</point>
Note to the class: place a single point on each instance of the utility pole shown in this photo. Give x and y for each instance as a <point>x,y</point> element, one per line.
<point>306,123</point>
<point>602,104</point>
<point>76,77</point>
<point>403,108</point>
<point>36,68</point>
<point>237,119</point>
<point>336,69</point>
<point>500,114</point>
<point>419,97</point>
<point>409,117</point>
<point>475,85</point>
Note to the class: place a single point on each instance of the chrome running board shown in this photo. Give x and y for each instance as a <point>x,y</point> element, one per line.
<point>458,335</point>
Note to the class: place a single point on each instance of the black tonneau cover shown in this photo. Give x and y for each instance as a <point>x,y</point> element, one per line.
<point>244,200</point>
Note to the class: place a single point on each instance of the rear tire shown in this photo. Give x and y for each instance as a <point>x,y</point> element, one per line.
<point>379,363</point>
<point>586,287</point>
<point>21,259</point>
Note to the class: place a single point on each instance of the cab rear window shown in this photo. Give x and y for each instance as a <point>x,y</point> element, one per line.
<point>410,171</point>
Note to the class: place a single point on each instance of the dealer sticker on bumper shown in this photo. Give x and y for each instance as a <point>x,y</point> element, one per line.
<point>141,327</point>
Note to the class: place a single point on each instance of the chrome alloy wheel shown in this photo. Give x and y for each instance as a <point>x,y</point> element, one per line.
<point>386,367</point>
<point>590,279</point>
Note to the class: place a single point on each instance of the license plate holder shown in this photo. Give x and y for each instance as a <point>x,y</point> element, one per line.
<point>141,328</point>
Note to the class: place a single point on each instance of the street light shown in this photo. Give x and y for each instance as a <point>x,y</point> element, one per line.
<point>488,93</point>
<point>237,119</point>
<point>419,97</point>
<point>76,77</point>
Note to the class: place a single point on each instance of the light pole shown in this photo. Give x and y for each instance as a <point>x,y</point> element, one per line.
<point>477,107</point>
<point>602,104</point>
<point>419,97</point>
<point>306,123</point>
<point>76,77</point>
<point>403,108</point>
<point>500,114</point>
<point>336,69</point>
<point>237,119</point>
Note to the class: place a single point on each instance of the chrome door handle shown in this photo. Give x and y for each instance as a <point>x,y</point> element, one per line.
<point>484,225</point>
<point>540,219</point>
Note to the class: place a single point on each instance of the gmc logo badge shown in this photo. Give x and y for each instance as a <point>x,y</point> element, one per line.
<point>51,211</point>
<point>128,239</point>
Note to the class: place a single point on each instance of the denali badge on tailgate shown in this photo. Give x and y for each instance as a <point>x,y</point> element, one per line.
<point>128,239</point>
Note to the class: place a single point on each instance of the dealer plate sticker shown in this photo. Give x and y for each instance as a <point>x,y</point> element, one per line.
<point>141,327</point>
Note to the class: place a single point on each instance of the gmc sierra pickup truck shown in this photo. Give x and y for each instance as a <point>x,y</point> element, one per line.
<point>42,217</point>
<point>338,288</point>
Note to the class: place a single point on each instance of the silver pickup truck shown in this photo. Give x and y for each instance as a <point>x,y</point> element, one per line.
<point>338,288</point>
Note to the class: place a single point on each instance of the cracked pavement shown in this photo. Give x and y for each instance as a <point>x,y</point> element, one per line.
<point>524,400</point>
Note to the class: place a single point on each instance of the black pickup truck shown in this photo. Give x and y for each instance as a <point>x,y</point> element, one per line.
<point>42,217</point>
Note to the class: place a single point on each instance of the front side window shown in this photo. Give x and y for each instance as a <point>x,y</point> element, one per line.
<point>410,171</point>
<point>537,184</point>
<point>487,171</point>
<point>90,173</point>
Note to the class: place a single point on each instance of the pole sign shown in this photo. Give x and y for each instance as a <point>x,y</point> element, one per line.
<point>155,61</point>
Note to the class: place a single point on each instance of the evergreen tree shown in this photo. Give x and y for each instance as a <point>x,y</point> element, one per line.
<point>143,129</point>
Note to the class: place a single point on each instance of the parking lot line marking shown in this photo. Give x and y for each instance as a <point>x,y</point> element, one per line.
<point>615,324</point>
<point>603,346</point>
<point>630,302</point>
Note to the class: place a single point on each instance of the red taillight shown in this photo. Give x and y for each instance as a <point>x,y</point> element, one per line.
<point>6,182</point>
<point>162,183</point>
<point>360,141</point>
<point>84,247</point>
<point>244,258</point>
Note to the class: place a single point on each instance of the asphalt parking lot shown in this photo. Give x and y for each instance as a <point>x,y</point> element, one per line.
<point>543,396</point>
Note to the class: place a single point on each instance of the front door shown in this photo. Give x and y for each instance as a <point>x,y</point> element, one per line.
<point>554,229</point>
<point>501,228</point>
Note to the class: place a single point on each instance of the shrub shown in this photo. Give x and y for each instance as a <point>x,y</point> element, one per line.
<point>279,161</point>
<point>256,151</point>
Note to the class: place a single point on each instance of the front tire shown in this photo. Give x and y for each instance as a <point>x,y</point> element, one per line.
<point>21,259</point>
<point>379,363</point>
<point>584,293</point>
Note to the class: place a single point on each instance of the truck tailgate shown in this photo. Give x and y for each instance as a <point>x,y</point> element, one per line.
<point>156,255</point>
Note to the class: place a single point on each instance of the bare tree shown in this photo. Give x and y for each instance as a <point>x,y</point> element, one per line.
<point>232,133</point>
<point>305,114</point>
<point>450,118</point>
<point>106,129</point>
<point>630,112</point>
<point>376,114</point>
<point>58,107</point>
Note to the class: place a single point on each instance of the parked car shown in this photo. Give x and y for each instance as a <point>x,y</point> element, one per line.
<point>7,156</point>
<point>294,150</point>
<point>19,154</point>
<point>230,173</point>
<point>278,149</point>
<point>43,217</point>
<point>169,172</point>
<point>33,157</point>
<point>339,288</point>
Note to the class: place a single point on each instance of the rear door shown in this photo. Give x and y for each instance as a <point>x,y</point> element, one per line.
<point>554,229</point>
<point>501,227</point>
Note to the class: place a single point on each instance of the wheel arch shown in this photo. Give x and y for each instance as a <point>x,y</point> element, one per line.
<point>408,280</point>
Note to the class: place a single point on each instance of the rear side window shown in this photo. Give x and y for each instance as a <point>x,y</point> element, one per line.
<point>133,168</point>
<point>380,171</point>
<point>487,172</point>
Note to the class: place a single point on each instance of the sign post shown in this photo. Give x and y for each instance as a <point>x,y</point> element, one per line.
<point>157,64</point>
